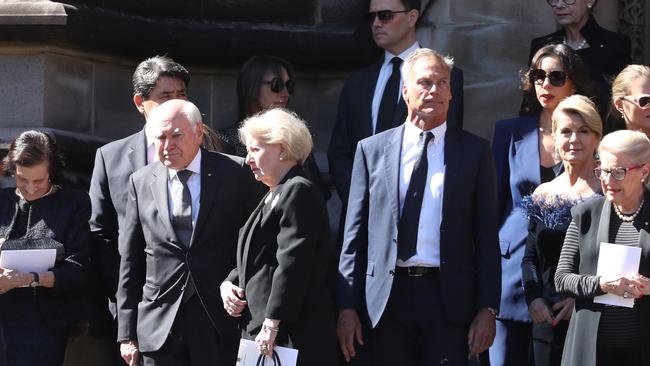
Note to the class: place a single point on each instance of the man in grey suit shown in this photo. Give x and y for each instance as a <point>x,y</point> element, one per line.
<point>420,254</point>
<point>177,244</point>
<point>155,80</point>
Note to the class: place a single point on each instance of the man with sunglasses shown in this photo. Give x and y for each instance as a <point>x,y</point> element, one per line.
<point>370,101</point>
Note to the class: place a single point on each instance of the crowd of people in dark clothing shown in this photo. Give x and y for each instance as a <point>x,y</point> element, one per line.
<point>448,252</point>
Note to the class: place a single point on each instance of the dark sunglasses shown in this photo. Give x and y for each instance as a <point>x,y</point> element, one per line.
<point>277,85</point>
<point>554,3</point>
<point>384,16</point>
<point>556,78</point>
<point>642,102</point>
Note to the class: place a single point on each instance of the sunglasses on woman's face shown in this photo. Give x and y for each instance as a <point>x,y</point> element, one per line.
<point>277,85</point>
<point>553,3</point>
<point>384,16</point>
<point>556,78</point>
<point>641,101</point>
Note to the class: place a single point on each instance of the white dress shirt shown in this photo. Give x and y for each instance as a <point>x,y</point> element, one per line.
<point>174,185</point>
<point>384,74</point>
<point>428,243</point>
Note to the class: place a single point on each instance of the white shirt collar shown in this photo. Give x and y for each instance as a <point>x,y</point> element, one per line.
<point>389,56</point>
<point>194,166</point>
<point>412,132</point>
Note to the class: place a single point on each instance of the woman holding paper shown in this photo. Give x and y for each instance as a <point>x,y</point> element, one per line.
<point>602,334</point>
<point>279,288</point>
<point>37,308</point>
<point>576,129</point>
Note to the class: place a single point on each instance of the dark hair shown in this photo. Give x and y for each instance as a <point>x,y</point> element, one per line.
<point>150,70</point>
<point>31,148</point>
<point>411,4</point>
<point>250,80</point>
<point>573,66</point>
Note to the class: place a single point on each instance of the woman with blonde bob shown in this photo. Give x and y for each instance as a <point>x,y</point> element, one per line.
<point>279,288</point>
<point>577,129</point>
<point>607,334</point>
<point>631,97</point>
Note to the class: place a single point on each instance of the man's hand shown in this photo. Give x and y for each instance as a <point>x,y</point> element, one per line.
<point>130,353</point>
<point>348,329</point>
<point>481,332</point>
<point>233,299</point>
<point>565,308</point>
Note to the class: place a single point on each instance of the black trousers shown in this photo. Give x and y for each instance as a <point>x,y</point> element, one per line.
<point>618,356</point>
<point>192,341</point>
<point>414,329</point>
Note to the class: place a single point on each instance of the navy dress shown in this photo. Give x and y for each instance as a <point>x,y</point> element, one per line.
<point>549,218</point>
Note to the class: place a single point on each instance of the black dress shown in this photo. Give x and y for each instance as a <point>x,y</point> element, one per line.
<point>549,217</point>
<point>36,321</point>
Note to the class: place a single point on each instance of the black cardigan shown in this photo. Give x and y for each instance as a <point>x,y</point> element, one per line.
<point>63,216</point>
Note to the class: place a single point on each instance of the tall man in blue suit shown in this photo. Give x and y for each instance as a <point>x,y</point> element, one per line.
<point>420,254</point>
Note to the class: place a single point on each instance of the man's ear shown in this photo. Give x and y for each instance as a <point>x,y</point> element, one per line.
<point>414,14</point>
<point>138,100</point>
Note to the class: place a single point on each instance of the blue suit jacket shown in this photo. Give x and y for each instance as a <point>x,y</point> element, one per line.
<point>515,148</point>
<point>469,253</point>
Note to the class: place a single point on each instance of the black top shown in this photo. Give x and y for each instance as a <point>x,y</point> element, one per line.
<point>63,216</point>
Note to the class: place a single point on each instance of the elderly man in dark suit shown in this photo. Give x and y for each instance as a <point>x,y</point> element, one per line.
<point>370,101</point>
<point>420,254</point>
<point>177,244</point>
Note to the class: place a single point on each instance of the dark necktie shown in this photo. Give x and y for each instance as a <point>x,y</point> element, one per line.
<point>407,234</point>
<point>389,98</point>
<point>182,212</point>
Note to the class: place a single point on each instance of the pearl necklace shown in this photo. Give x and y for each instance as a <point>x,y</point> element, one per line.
<point>627,218</point>
<point>580,46</point>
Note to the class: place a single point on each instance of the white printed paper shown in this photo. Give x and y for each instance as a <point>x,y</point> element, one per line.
<point>28,260</point>
<point>248,354</point>
<point>617,260</point>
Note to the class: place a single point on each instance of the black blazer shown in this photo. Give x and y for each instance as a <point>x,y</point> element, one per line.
<point>114,164</point>
<point>282,258</point>
<point>62,216</point>
<point>354,120</point>
<point>608,52</point>
<point>470,266</point>
<point>155,266</point>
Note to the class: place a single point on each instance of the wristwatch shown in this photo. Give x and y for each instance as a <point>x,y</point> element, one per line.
<point>493,311</point>
<point>36,282</point>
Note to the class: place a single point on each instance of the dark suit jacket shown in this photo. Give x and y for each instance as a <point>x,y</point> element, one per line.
<point>114,164</point>
<point>515,148</point>
<point>155,266</point>
<point>592,219</point>
<point>354,120</point>
<point>62,216</point>
<point>469,251</point>
<point>282,265</point>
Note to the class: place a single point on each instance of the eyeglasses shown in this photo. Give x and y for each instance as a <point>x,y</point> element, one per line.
<point>554,3</point>
<point>642,101</point>
<point>617,173</point>
<point>556,78</point>
<point>384,16</point>
<point>277,85</point>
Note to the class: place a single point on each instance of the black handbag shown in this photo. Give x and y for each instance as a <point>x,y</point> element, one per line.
<point>40,243</point>
<point>275,358</point>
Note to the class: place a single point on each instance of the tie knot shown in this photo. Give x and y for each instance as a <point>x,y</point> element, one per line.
<point>427,137</point>
<point>184,175</point>
<point>396,61</point>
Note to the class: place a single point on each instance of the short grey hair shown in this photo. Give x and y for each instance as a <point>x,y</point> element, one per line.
<point>420,53</point>
<point>633,144</point>
<point>279,126</point>
<point>187,109</point>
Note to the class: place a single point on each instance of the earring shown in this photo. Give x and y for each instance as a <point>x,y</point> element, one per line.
<point>590,6</point>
